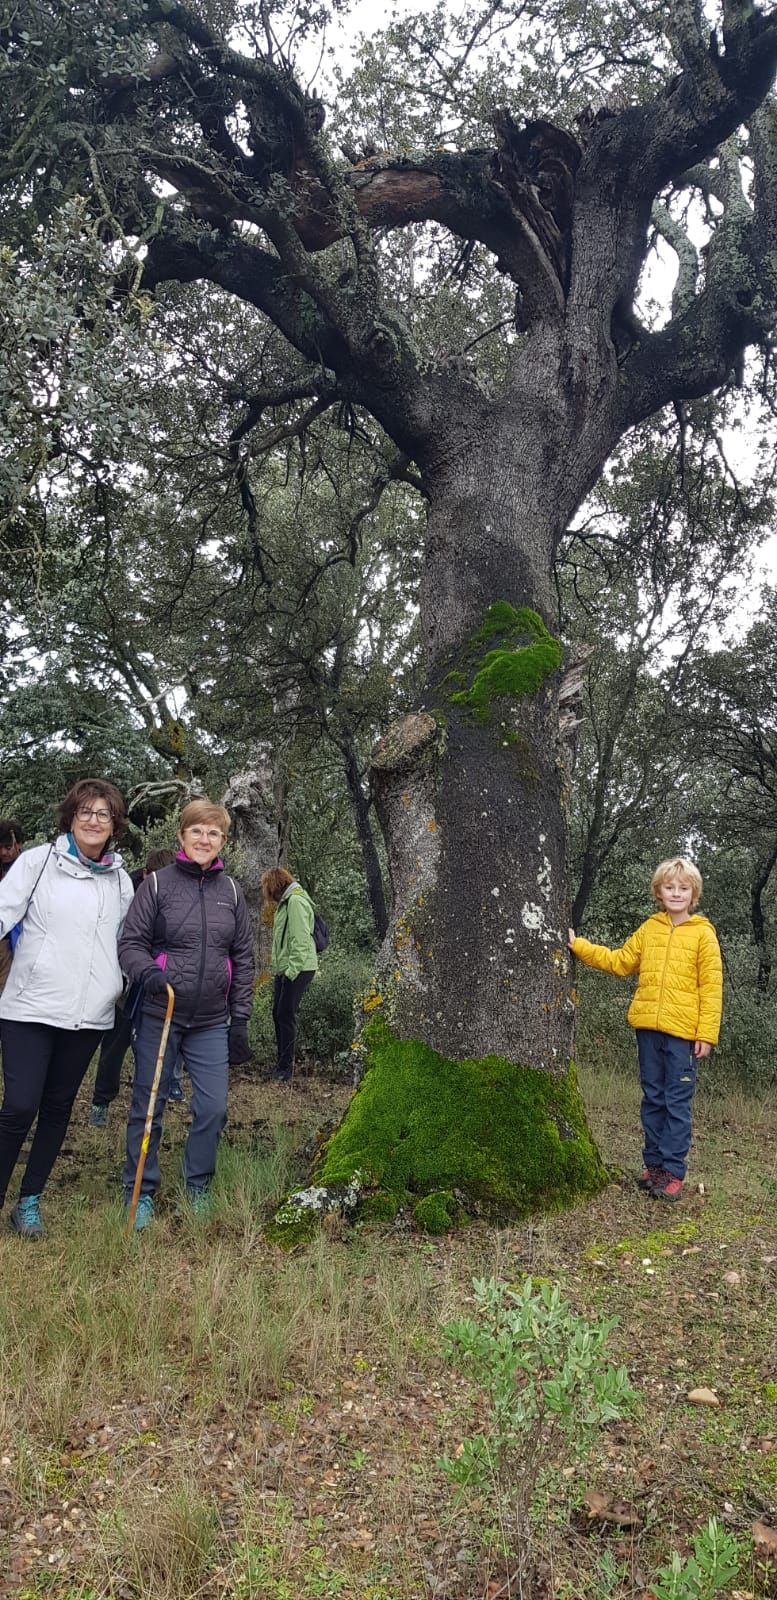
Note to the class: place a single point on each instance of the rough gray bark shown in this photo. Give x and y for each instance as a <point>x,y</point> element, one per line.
<point>254,799</point>
<point>472,812</point>
<point>373,876</point>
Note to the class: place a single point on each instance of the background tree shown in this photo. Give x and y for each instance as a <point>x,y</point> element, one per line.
<point>648,574</point>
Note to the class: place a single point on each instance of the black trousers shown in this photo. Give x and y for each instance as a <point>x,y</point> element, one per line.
<point>116,1043</point>
<point>43,1068</point>
<point>287,993</point>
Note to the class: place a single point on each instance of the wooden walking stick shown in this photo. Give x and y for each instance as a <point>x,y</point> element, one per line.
<point>150,1113</point>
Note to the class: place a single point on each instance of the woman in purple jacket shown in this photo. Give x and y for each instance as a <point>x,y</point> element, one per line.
<point>188,926</point>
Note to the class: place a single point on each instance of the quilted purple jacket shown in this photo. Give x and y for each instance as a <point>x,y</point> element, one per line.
<point>195,926</point>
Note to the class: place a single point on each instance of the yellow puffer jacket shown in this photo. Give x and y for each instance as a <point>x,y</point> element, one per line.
<point>680,989</point>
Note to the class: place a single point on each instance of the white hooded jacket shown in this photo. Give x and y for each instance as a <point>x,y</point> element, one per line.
<point>65,971</point>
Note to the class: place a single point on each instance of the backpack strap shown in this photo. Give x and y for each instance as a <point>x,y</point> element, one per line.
<point>234,887</point>
<point>14,933</point>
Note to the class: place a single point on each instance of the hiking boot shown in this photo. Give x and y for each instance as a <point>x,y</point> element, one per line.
<point>667,1186</point>
<point>648,1178</point>
<point>25,1219</point>
<point>145,1213</point>
<point>176,1091</point>
<point>200,1202</point>
<point>98,1117</point>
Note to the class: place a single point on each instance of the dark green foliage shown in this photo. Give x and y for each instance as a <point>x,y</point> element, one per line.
<point>326,1015</point>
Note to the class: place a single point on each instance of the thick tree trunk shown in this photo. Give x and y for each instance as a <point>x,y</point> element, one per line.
<point>470,794</point>
<point>254,798</point>
<point>468,1096</point>
<point>361,813</point>
<point>758,886</point>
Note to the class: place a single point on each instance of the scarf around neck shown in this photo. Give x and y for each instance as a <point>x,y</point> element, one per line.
<point>104,864</point>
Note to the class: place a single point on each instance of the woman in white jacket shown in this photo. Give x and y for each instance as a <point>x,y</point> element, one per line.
<point>71,899</point>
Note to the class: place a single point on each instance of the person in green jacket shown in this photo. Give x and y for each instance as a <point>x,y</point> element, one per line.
<point>294,959</point>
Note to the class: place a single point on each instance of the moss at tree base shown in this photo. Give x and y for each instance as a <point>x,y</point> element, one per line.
<point>486,1136</point>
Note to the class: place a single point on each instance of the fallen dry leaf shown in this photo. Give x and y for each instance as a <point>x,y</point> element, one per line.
<point>702,1397</point>
<point>604,1508</point>
<point>765,1540</point>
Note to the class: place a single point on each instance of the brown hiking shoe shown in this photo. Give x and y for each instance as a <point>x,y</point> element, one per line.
<point>667,1186</point>
<point>647,1178</point>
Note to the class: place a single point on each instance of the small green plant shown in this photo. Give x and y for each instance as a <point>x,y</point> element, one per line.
<point>258,1573</point>
<point>548,1387</point>
<point>711,1570</point>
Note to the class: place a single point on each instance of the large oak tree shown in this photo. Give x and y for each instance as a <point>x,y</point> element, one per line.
<point>203,159</point>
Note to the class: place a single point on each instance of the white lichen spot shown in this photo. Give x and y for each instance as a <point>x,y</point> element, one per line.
<point>533,919</point>
<point>312,1199</point>
<point>544,877</point>
<point>495,892</point>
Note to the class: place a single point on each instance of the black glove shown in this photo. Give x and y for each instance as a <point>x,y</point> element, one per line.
<point>154,980</point>
<point>239,1048</point>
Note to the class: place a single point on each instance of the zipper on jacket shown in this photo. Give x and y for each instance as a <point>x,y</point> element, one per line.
<point>663,975</point>
<point>203,955</point>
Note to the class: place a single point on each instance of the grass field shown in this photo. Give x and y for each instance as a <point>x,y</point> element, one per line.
<point>192,1413</point>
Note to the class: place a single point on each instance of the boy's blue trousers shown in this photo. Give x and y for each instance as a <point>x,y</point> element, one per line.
<point>667,1072</point>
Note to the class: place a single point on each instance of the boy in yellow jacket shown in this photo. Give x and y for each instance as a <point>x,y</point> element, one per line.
<point>675,1011</point>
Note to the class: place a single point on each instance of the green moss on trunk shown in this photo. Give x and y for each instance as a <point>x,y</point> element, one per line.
<point>498,665</point>
<point>487,1136</point>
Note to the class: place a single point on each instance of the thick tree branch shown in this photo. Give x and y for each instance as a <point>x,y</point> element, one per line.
<point>709,100</point>
<point>703,345</point>
<point>687,257</point>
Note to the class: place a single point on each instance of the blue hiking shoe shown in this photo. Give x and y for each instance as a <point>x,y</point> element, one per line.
<point>98,1117</point>
<point>25,1219</point>
<point>200,1202</point>
<point>145,1213</point>
<point>176,1091</point>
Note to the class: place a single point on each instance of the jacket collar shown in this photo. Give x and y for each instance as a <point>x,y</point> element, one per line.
<point>192,870</point>
<point>71,863</point>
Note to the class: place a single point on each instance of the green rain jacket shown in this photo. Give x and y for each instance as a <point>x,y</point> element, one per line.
<point>293,950</point>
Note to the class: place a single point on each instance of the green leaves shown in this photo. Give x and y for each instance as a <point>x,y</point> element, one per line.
<point>709,1571</point>
<point>548,1387</point>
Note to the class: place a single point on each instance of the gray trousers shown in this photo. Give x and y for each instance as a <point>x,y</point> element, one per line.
<point>205,1054</point>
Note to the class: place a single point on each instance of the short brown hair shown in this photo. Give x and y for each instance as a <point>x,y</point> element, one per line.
<point>199,811</point>
<point>275,882</point>
<point>156,859</point>
<point>677,867</point>
<point>92,789</point>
